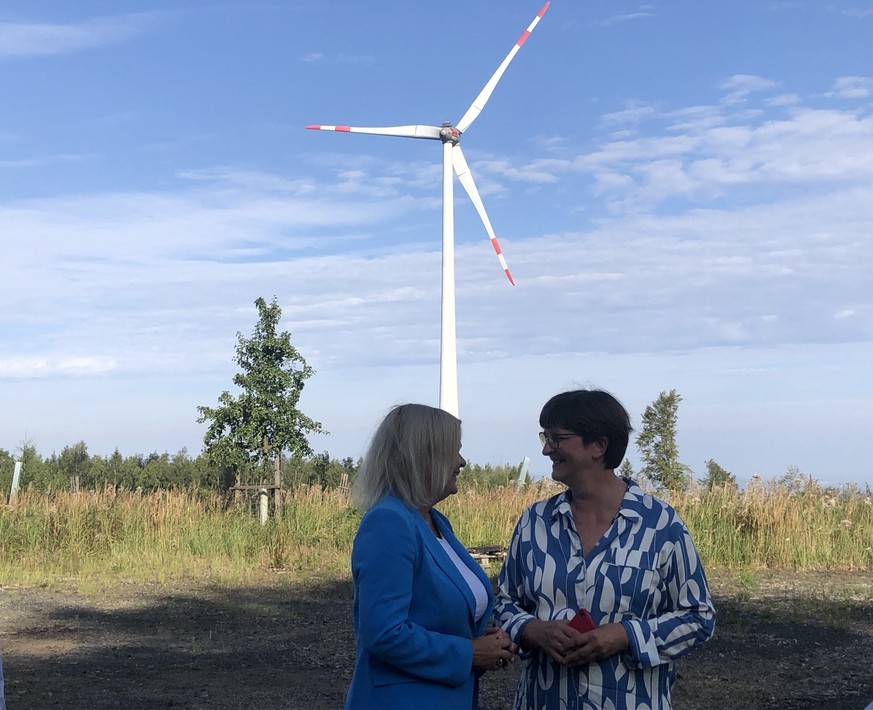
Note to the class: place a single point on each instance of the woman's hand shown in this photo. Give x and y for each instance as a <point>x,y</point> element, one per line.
<point>554,638</point>
<point>602,642</point>
<point>493,650</point>
<point>569,647</point>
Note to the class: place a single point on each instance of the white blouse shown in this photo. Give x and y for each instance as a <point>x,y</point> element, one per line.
<point>470,578</point>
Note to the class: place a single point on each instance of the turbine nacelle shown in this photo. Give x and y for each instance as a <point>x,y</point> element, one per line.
<point>449,134</point>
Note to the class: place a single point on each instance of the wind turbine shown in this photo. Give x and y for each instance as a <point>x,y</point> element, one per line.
<point>453,160</point>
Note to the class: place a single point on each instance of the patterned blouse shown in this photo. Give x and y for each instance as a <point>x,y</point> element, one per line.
<point>644,573</point>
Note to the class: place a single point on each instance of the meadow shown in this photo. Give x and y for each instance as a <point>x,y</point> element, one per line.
<point>102,536</point>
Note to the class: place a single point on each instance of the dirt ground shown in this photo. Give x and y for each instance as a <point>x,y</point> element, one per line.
<point>786,641</point>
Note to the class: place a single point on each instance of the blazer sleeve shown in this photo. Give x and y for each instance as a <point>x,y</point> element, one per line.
<point>384,560</point>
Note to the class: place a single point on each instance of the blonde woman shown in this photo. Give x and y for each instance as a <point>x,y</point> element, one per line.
<point>422,603</point>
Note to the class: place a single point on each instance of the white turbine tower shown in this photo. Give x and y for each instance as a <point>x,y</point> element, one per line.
<point>453,159</point>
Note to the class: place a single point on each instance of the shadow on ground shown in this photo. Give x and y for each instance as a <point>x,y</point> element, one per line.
<point>287,645</point>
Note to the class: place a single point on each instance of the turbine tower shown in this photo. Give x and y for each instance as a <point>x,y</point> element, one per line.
<point>453,160</point>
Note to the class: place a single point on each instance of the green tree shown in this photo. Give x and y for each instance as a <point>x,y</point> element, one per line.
<point>718,477</point>
<point>37,471</point>
<point>114,470</point>
<point>657,443</point>
<point>490,476</point>
<point>262,421</point>
<point>7,468</point>
<point>75,463</point>
<point>796,481</point>
<point>626,470</point>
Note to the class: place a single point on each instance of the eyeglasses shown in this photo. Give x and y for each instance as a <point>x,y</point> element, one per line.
<point>554,440</point>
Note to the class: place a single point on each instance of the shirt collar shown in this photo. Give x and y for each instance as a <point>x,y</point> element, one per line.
<point>633,503</point>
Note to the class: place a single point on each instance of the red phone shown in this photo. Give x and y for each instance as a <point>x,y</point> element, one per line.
<point>583,621</point>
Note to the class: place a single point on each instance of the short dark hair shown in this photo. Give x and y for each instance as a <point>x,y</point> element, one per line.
<point>594,415</point>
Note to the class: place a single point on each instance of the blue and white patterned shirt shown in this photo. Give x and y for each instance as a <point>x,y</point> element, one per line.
<point>643,573</point>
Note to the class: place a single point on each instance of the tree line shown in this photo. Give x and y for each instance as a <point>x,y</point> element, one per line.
<point>180,470</point>
<point>259,437</point>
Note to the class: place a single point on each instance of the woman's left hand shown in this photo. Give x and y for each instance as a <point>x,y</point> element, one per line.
<point>493,650</point>
<point>602,642</point>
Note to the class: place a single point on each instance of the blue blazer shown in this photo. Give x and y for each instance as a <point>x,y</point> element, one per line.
<point>413,614</point>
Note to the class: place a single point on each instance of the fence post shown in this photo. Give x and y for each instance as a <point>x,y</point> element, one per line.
<point>16,476</point>
<point>263,506</point>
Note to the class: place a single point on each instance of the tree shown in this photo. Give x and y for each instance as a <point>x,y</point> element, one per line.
<point>75,464</point>
<point>36,470</point>
<point>717,477</point>
<point>626,470</point>
<point>490,476</point>
<point>657,443</point>
<point>7,467</point>
<point>262,421</point>
<point>796,481</point>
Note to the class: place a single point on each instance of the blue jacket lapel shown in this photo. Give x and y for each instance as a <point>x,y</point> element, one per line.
<point>443,561</point>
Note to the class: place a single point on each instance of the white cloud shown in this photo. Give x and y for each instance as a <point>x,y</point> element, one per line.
<point>642,12</point>
<point>740,86</point>
<point>62,365</point>
<point>44,39</point>
<point>700,151</point>
<point>322,58</point>
<point>852,87</point>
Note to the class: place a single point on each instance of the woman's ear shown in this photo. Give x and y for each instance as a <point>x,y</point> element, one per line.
<point>599,447</point>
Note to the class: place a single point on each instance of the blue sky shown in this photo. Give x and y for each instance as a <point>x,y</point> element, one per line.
<point>681,189</point>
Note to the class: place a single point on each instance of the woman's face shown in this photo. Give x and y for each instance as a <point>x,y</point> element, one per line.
<point>452,484</point>
<point>572,459</point>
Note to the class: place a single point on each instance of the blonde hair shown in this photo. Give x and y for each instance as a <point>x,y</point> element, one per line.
<point>412,455</point>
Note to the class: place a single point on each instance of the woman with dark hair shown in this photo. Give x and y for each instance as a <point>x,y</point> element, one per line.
<point>602,588</point>
<point>422,603</point>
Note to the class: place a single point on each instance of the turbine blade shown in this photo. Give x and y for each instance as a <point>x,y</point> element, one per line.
<point>431,132</point>
<point>477,106</point>
<point>462,170</point>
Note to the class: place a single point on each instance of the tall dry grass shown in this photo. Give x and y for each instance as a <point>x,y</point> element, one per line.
<point>771,525</point>
<point>169,535</point>
<point>165,535</point>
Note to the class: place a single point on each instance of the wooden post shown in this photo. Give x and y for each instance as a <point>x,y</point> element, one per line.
<point>277,482</point>
<point>263,506</point>
<point>236,485</point>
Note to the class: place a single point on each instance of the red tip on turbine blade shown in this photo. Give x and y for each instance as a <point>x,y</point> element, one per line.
<point>543,11</point>
<point>509,276</point>
<point>344,129</point>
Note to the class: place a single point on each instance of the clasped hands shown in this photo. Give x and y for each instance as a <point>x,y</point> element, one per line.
<point>569,647</point>
<point>493,650</point>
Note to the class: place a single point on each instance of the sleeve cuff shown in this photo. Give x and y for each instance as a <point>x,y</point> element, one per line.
<point>634,632</point>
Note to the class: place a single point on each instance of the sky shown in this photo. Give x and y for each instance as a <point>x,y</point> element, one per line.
<point>682,191</point>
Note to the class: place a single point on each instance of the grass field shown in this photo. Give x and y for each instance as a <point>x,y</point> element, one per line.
<point>108,535</point>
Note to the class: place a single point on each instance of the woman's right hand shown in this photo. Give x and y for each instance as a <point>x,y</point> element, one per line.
<point>493,650</point>
<point>557,639</point>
